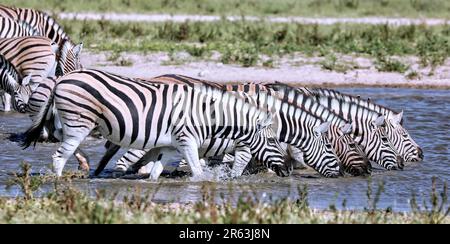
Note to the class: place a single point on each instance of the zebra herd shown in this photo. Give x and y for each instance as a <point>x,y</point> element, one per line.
<point>172,117</point>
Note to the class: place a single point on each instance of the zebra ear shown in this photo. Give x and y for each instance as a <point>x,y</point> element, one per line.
<point>346,129</point>
<point>12,81</point>
<point>77,49</point>
<point>379,121</point>
<point>54,47</point>
<point>265,122</point>
<point>26,80</point>
<point>397,118</point>
<point>322,128</point>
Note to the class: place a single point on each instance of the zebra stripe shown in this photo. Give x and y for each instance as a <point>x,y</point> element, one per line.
<point>397,134</point>
<point>369,131</point>
<point>126,112</point>
<point>42,22</point>
<point>10,28</point>
<point>319,153</point>
<point>33,56</point>
<point>68,54</point>
<point>354,160</point>
<point>10,84</point>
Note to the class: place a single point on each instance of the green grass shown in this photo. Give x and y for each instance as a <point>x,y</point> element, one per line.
<point>341,8</point>
<point>66,204</point>
<point>244,42</point>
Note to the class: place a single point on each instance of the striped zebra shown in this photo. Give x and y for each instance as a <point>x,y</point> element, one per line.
<point>264,154</point>
<point>68,54</point>
<point>397,134</point>
<point>34,55</point>
<point>318,152</point>
<point>11,28</point>
<point>340,134</point>
<point>10,85</point>
<point>135,114</point>
<point>369,130</point>
<point>31,56</point>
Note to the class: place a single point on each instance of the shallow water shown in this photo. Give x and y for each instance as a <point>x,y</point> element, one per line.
<point>427,117</point>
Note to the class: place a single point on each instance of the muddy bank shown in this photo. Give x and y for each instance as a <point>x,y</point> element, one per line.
<point>293,69</point>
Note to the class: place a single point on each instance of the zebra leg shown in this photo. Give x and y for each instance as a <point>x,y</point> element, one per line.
<point>6,102</point>
<point>83,160</point>
<point>189,150</point>
<point>129,159</point>
<point>111,150</point>
<point>242,157</point>
<point>72,139</point>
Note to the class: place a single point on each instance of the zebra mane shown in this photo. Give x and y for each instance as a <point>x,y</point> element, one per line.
<point>351,98</point>
<point>29,28</point>
<point>57,29</point>
<point>290,92</point>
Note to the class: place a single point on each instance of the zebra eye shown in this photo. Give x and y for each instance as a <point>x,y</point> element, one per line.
<point>352,145</point>
<point>271,140</point>
<point>384,139</point>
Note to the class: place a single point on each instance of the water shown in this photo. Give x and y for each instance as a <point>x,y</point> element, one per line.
<point>427,117</point>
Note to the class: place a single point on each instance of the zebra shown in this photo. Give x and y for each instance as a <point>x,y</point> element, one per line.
<point>132,113</point>
<point>42,94</point>
<point>31,56</point>
<point>351,155</point>
<point>397,134</point>
<point>307,139</point>
<point>369,130</point>
<point>68,54</point>
<point>10,85</point>
<point>11,28</point>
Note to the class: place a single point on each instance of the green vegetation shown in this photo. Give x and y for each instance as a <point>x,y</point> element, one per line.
<point>340,8</point>
<point>244,42</point>
<point>68,205</point>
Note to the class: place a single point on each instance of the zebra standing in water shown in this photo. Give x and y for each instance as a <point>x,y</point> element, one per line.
<point>368,130</point>
<point>313,141</point>
<point>11,28</point>
<point>68,55</point>
<point>10,84</point>
<point>397,134</point>
<point>131,113</point>
<point>351,155</point>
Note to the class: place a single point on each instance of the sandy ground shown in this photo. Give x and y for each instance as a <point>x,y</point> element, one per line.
<point>208,18</point>
<point>294,69</point>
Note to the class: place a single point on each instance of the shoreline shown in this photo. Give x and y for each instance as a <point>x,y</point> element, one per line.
<point>162,17</point>
<point>308,73</point>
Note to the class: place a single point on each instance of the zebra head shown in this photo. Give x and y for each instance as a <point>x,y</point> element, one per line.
<point>68,58</point>
<point>380,148</point>
<point>352,156</point>
<point>319,153</point>
<point>266,148</point>
<point>22,94</point>
<point>402,141</point>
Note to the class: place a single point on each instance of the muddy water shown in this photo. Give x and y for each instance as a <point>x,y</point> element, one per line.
<point>427,119</point>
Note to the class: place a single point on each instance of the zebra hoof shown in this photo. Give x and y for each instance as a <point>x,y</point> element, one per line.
<point>117,174</point>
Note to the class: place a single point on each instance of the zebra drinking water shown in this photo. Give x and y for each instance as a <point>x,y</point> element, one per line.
<point>140,115</point>
<point>397,134</point>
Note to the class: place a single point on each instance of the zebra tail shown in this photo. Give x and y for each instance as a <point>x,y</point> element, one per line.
<point>32,135</point>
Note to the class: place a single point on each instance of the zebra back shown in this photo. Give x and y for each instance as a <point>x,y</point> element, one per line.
<point>41,21</point>
<point>34,55</point>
